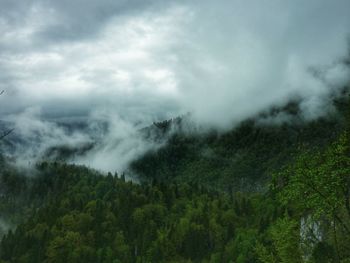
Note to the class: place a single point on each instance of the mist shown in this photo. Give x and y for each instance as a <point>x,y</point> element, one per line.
<point>4,227</point>
<point>118,146</point>
<point>102,141</point>
<point>128,64</point>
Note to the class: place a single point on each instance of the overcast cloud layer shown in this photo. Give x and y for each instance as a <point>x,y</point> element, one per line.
<point>139,61</point>
<point>221,60</point>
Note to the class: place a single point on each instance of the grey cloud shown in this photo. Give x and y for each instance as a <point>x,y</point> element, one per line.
<point>13,11</point>
<point>70,20</point>
<point>118,69</point>
<point>241,58</point>
<point>221,60</point>
<point>129,63</point>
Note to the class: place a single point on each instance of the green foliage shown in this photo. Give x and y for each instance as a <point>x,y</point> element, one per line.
<point>238,160</point>
<point>320,182</point>
<point>201,198</point>
<point>93,218</point>
<point>317,185</point>
<point>285,239</point>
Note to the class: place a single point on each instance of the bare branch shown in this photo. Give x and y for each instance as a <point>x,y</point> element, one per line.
<point>5,134</point>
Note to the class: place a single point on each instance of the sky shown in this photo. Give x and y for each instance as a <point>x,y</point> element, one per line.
<point>140,61</point>
<point>149,60</point>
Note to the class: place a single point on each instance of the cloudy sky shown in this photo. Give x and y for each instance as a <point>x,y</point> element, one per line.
<point>146,60</point>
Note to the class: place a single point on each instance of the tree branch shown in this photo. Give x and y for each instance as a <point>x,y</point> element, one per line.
<point>314,188</point>
<point>5,134</point>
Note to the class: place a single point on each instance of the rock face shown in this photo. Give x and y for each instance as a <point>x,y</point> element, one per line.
<point>310,234</point>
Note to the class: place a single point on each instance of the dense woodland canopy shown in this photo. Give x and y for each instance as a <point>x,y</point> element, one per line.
<point>243,158</point>
<point>195,201</point>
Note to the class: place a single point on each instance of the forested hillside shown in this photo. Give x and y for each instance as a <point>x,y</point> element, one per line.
<point>92,218</point>
<point>243,158</point>
<point>297,211</point>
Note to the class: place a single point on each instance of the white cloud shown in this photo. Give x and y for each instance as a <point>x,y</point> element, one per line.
<point>123,61</point>
<point>221,60</point>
